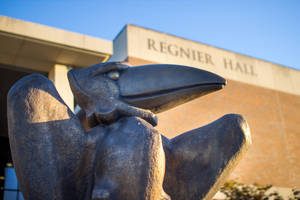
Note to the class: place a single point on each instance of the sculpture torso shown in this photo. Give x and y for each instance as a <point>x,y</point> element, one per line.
<point>130,162</point>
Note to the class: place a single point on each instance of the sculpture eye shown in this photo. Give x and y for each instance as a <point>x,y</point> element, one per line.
<point>114,75</point>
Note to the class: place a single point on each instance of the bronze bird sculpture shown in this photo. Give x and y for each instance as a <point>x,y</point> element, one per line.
<point>121,156</point>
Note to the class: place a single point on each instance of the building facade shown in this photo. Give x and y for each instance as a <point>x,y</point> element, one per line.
<point>266,94</point>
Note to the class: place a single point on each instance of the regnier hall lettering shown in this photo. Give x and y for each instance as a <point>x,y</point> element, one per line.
<point>178,51</point>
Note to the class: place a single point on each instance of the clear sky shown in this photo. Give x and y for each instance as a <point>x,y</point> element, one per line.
<point>265,29</point>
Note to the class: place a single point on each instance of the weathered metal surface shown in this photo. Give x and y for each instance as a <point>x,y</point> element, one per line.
<point>122,156</point>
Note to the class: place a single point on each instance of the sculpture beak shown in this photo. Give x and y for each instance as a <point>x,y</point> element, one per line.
<point>162,87</point>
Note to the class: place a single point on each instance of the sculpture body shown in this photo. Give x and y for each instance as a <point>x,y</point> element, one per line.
<point>121,156</point>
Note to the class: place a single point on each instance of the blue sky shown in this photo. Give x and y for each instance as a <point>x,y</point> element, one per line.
<point>265,29</point>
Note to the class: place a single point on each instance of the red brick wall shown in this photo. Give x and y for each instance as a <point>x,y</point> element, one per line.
<point>274,120</point>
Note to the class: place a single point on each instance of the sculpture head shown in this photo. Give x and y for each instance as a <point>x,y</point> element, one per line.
<point>107,91</point>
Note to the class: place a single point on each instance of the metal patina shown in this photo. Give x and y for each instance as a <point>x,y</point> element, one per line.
<point>119,155</point>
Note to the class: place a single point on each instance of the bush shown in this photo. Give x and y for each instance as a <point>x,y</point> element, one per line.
<point>238,191</point>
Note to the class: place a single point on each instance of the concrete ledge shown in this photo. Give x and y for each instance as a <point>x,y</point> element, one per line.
<point>54,35</point>
<point>39,47</point>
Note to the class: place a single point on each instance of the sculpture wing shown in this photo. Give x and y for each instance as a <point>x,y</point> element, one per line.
<point>198,161</point>
<point>48,143</point>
